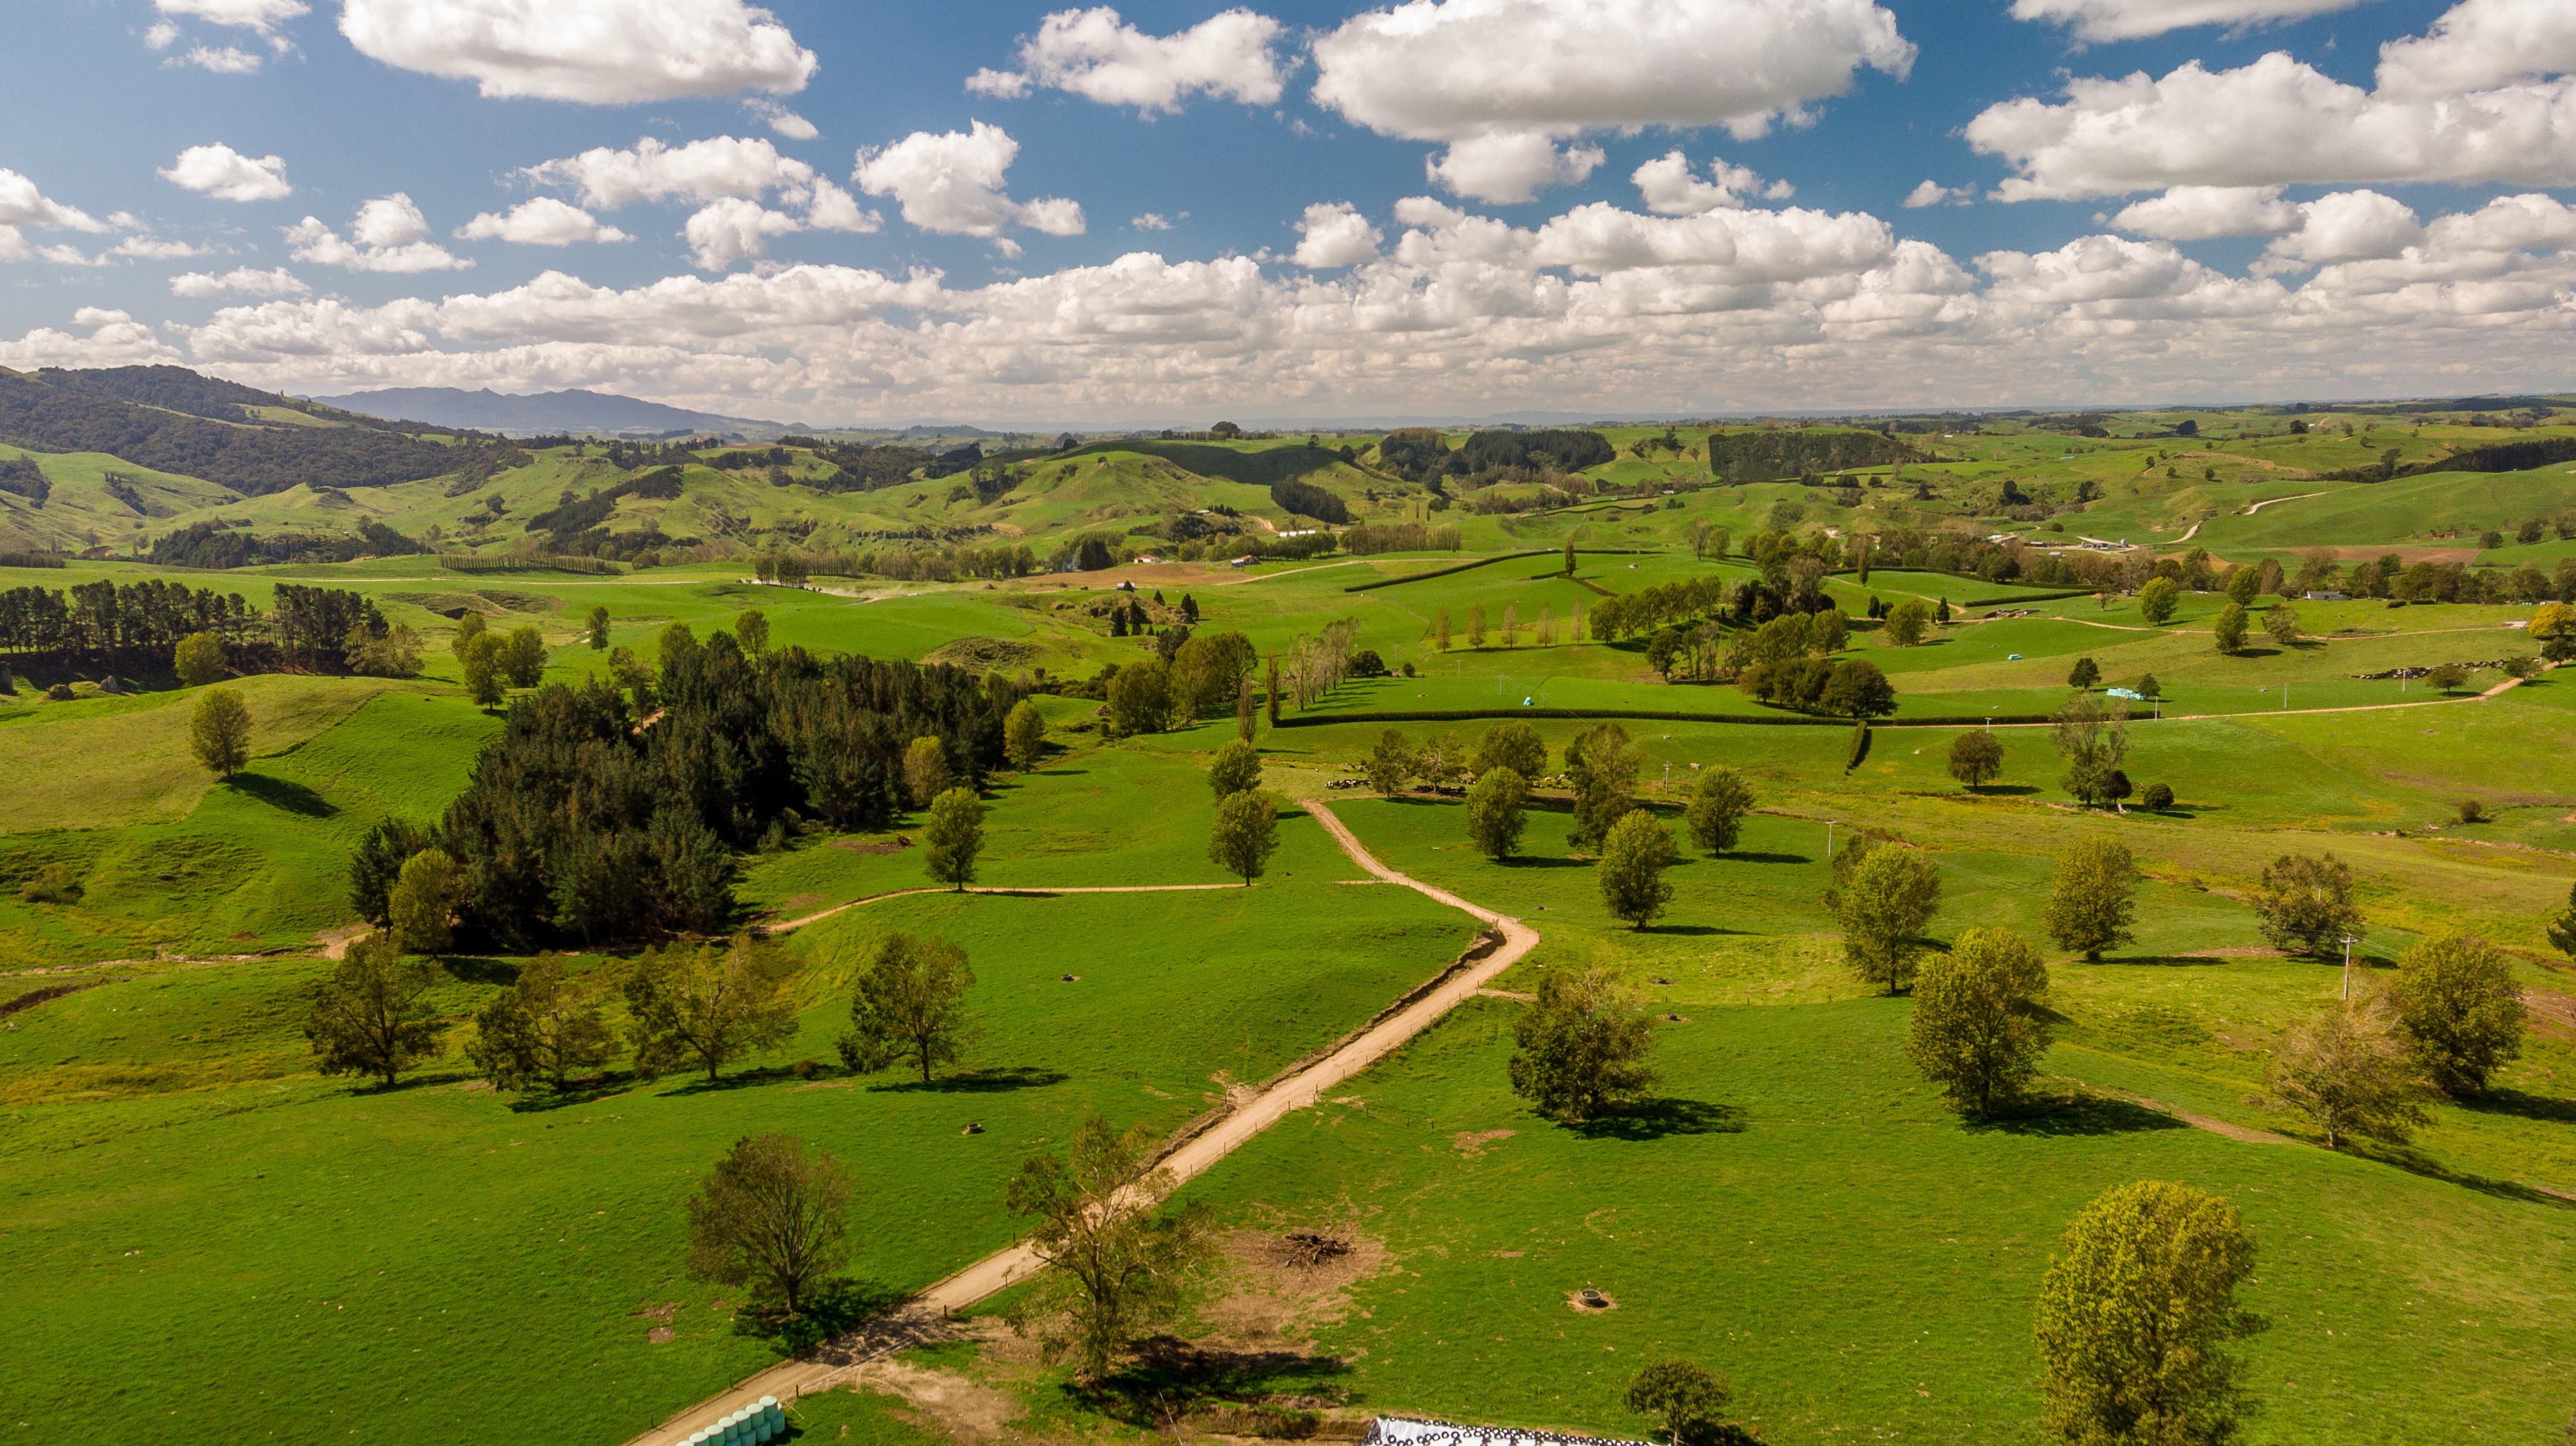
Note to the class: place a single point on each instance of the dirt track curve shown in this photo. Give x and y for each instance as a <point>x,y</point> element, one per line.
<point>831,1363</point>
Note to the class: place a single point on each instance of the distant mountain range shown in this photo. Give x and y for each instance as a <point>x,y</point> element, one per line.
<point>548,413</point>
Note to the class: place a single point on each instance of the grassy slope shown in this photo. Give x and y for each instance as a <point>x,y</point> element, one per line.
<point>461,1260</point>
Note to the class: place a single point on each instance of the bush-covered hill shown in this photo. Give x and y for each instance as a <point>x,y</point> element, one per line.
<point>165,418</point>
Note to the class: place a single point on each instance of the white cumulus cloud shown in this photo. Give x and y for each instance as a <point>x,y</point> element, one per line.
<point>2345,226</point>
<point>227,175</point>
<point>241,280</point>
<point>604,52</point>
<point>734,229</point>
<point>390,235</point>
<point>1096,55</point>
<point>230,60</point>
<point>1466,72</point>
<point>952,184</point>
<point>701,171</point>
<point>1335,234</point>
<point>1152,221</point>
<point>117,340</point>
<point>23,204</point>
<point>2105,20</point>
<point>2201,213</point>
<point>1928,192</point>
<point>2276,121</point>
<point>153,248</point>
<point>1671,188</point>
<point>2480,44</point>
<point>544,221</point>
<point>781,120</point>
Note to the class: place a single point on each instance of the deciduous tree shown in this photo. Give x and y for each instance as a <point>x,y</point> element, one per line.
<point>1688,1399</point>
<point>199,659</point>
<point>1906,623</point>
<point>752,631</point>
<point>1515,746</point>
<point>1634,856</point>
<point>2084,674</point>
<point>373,1015</point>
<point>2229,628</point>
<point>2305,903</point>
<point>2093,740</point>
<point>1582,1045</point>
<point>2158,599</point>
<point>1024,735</point>
<point>2282,622</point>
<point>1117,1268</point>
<point>1389,765</point>
<point>546,1028</point>
<point>1717,808</point>
<point>1883,906</point>
<point>775,1215</point>
<point>910,1007</point>
<point>953,837</point>
<point>1976,758</point>
<point>1237,767</point>
<point>2562,929</point>
<point>423,898</point>
<point>1603,767</point>
<point>1494,817</point>
<point>219,732</point>
<point>1246,833</point>
<point>2460,1011</point>
<point>523,657</point>
<point>596,627</point>
<point>1977,1030</point>
<point>926,773</point>
<point>480,659</point>
<point>2091,901</point>
<point>2135,1313</point>
<point>2346,1071</point>
<point>707,1004</point>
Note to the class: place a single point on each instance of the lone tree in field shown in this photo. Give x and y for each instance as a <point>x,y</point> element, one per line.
<point>2459,1010</point>
<point>2229,628</point>
<point>423,896</point>
<point>1117,1268</point>
<point>953,837</point>
<point>1023,736</point>
<point>2156,601</point>
<point>1633,859</point>
<point>479,655</point>
<point>926,773</point>
<point>219,732</point>
<point>1717,809</point>
<point>2093,740</point>
<point>1237,767</point>
<point>199,659</point>
<point>2346,1072</point>
<point>1604,770</point>
<point>707,1005</point>
<point>546,1029</point>
<point>774,1214</point>
<point>1975,758</point>
<point>523,657</point>
<point>373,1016</point>
<point>1494,817</point>
<point>1583,1045</point>
<point>596,627</point>
<point>2305,903</point>
<point>2282,622</point>
<point>1906,623</point>
<point>2134,1315</point>
<point>1246,834</point>
<point>1515,746</point>
<point>1977,1030</point>
<point>2448,677</point>
<point>910,1007</point>
<point>1690,1400</point>
<point>1883,905</point>
<point>2091,901</point>
<point>2084,674</point>
<point>1390,764</point>
<point>752,631</point>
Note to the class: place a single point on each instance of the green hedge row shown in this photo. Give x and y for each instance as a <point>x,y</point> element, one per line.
<point>2035,597</point>
<point>1462,715</point>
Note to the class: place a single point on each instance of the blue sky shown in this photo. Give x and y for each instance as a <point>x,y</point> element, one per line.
<point>1434,209</point>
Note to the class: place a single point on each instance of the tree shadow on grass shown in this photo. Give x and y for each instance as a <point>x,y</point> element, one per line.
<point>1657,1118</point>
<point>2003,790</point>
<point>976,1082</point>
<point>2061,1117</point>
<point>1543,861</point>
<point>832,1308</point>
<point>546,1100</point>
<point>2416,1162</point>
<point>1683,930</point>
<point>1767,858</point>
<point>475,969</point>
<point>2527,1106</point>
<point>1271,1393</point>
<point>2166,960</point>
<point>286,794</point>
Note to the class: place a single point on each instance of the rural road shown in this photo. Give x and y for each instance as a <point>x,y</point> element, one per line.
<point>829,1364</point>
<point>2269,501</point>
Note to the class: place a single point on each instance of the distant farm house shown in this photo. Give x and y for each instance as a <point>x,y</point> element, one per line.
<point>1414,1431</point>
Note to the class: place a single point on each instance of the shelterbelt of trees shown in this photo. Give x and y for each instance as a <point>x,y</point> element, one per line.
<point>310,625</point>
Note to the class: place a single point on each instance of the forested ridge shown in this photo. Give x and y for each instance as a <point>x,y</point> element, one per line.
<point>59,411</point>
